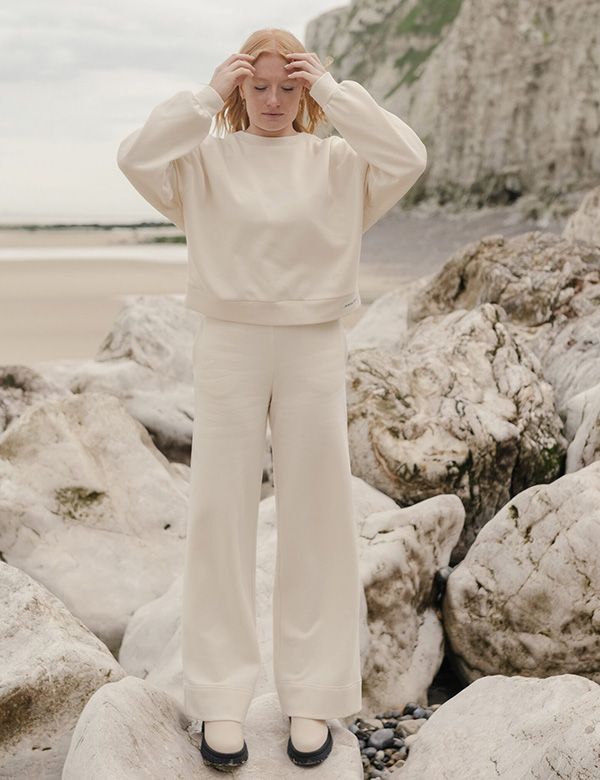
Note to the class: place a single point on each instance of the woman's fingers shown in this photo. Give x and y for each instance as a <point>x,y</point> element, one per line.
<point>309,67</point>
<point>309,60</point>
<point>232,71</point>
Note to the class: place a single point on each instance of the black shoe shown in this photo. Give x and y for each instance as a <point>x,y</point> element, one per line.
<point>217,759</point>
<point>310,757</point>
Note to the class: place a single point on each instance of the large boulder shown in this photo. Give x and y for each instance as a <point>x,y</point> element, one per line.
<point>400,552</point>
<point>50,665</point>
<point>582,428</point>
<point>90,508</point>
<point>512,728</point>
<point>526,598</point>
<point>549,287</point>
<point>536,277</point>
<point>134,731</point>
<point>584,223</point>
<point>463,408</point>
<point>156,331</point>
<point>145,360</point>
<point>22,386</point>
<point>570,354</point>
<point>385,323</point>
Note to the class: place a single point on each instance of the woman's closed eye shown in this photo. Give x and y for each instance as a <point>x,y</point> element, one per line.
<point>285,89</point>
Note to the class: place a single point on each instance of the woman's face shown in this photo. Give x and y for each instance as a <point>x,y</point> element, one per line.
<point>271,98</point>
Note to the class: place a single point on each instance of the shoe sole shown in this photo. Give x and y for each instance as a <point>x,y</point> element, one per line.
<point>310,757</point>
<point>219,760</point>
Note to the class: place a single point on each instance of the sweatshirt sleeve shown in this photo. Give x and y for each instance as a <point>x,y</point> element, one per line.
<point>393,154</point>
<point>150,157</point>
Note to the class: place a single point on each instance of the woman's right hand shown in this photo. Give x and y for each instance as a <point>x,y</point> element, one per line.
<point>232,72</point>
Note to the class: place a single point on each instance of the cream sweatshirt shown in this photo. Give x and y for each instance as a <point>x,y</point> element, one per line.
<point>273,225</point>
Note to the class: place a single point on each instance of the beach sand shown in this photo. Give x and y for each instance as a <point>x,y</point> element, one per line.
<point>62,308</point>
<point>53,309</point>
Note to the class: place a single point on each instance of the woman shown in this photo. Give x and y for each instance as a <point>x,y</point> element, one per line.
<point>274,217</point>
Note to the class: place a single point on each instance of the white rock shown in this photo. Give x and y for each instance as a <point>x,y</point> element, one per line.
<point>90,508</point>
<point>146,361</point>
<point>571,355</point>
<point>20,387</point>
<point>584,224</point>
<point>385,323</point>
<point>538,278</point>
<point>401,549</point>
<point>156,331</point>
<point>515,728</point>
<point>151,646</point>
<point>50,664</point>
<point>164,406</point>
<point>549,287</point>
<point>462,409</point>
<point>526,598</point>
<point>133,731</point>
<point>582,428</point>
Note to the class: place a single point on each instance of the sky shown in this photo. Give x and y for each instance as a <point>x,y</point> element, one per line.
<point>77,77</point>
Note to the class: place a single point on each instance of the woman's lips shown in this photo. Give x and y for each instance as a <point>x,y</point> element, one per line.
<point>266,114</point>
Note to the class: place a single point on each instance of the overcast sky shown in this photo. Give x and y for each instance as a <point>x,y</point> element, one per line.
<point>77,77</point>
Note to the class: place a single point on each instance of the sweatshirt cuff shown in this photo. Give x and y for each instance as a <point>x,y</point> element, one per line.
<point>209,99</point>
<point>323,88</point>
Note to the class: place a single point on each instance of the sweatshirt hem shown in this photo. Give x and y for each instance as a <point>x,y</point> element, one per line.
<point>300,312</point>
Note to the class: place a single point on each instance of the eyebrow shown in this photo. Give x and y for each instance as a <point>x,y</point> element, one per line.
<point>281,82</point>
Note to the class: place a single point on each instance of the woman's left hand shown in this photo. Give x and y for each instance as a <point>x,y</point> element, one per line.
<point>306,68</point>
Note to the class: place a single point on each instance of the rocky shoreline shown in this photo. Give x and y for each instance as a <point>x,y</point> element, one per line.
<point>474,430</point>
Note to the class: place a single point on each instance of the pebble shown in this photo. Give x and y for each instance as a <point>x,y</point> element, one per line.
<point>412,726</point>
<point>410,708</point>
<point>382,738</point>
<point>385,740</point>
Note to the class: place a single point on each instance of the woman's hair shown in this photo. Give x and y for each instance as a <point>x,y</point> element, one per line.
<point>233,116</point>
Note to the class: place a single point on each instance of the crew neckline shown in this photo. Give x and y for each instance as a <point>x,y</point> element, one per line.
<point>269,140</point>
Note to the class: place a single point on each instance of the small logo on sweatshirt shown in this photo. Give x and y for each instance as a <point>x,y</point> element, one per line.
<point>351,302</point>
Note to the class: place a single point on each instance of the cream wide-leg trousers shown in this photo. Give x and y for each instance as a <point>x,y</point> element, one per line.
<point>294,375</point>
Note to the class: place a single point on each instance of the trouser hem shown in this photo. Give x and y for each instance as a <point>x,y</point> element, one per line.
<point>213,702</point>
<point>306,700</point>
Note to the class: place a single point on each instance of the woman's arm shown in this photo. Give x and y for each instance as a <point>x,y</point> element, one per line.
<point>151,156</point>
<point>394,154</point>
